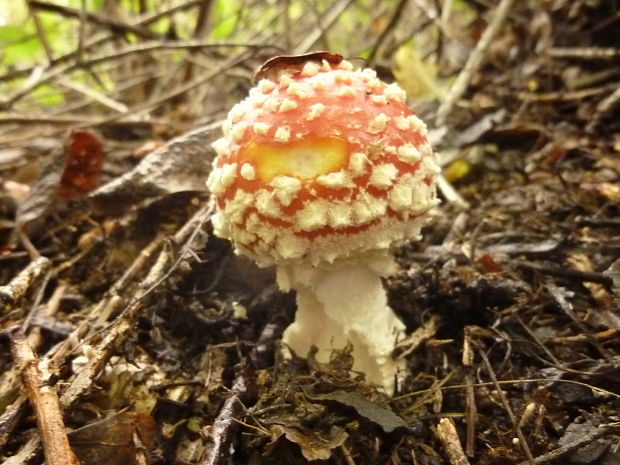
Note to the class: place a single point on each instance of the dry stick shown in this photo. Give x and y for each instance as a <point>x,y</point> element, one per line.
<point>143,21</point>
<point>96,18</point>
<point>567,273</point>
<point>471,410</point>
<point>40,31</point>
<point>225,425</point>
<point>584,53</point>
<point>200,80</point>
<point>328,20</point>
<point>473,62</point>
<point>19,285</point>
<point>202,18</point>
<point>446,430</point>
<point>346,453</point>
<point>398,12</point>
<point>10,418</point>
<point>604,109</point>
<point>511,415</point>
<point>560,296</point>
<point>91,93</point>
<point>51,308</point>
<point>136,49</point>
<point>44,401</point>
<point>560,452</point>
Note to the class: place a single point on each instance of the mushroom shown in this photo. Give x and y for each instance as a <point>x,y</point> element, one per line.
<point>321,170</point>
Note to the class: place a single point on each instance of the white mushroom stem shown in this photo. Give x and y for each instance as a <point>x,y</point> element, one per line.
<point>342,303</point>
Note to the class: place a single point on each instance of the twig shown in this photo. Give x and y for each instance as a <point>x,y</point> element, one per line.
<point>604,109</point>
<point>471,409</point>
<point>58,71</point>
<point>114,25</point>
<point>225,425</point>
<point>561,298</point>
<point>560,452</point>
<point>12,118</point>
<point>327,21</point>
<point>44,400</point>
<point>346,453</point>
<point>143,21</point>
<point>10,418</point>
<point>451,194</point>
<point>584,53</point>
<point>202,18</point>
<point>389,28</point>
<point>19,285</point>
<point>566,95</point>
<point>40,31</point>
<point>473,62</point>
<point>94,95</point>
<point>446,430</point>
<point>575,275</point>
<point>198,81</point>
<point>515,424</point>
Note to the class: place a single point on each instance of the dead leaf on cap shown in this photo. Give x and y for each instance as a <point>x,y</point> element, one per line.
<point>291,61</point>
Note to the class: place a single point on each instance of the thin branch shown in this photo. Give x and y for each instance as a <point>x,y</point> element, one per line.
<point>114,25</point>
<point>131,50</point>
<point>561,452</point>
<point>143,21</point>
<point>474,61</point>
<point>398,13</point>
<point>44,400</point>
<point>40,31</point>
<point>522,441</point>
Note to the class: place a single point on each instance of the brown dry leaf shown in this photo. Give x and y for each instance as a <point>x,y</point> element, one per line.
<point>314,445</point>
<point>112,441</point>
<point>580,262</point>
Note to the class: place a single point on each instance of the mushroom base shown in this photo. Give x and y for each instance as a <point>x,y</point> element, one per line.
<point>345,303</point>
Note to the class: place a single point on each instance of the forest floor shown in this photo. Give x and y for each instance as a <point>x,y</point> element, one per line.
<point>162,345</point>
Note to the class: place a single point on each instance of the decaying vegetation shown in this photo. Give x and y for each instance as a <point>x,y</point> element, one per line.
<point>128,325</point>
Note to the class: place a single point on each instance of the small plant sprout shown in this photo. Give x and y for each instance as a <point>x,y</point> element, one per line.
<point>321,170</point>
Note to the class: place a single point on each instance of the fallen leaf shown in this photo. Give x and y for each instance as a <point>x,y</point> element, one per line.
<point>314,445</point>
<point>416,76</point>
<point>378,414</point>
<point>111,441</point>
<point>84,161</point>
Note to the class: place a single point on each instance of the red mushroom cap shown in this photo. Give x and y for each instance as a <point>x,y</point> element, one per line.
<point>322,162</point>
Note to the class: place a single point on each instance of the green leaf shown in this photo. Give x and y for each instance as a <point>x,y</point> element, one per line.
<point>47,95</point>
<point>9,34</point>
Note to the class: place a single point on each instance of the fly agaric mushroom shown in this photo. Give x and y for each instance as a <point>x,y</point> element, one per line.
<point>320,171</point>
